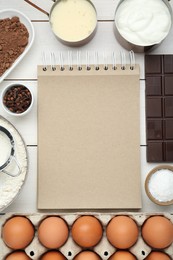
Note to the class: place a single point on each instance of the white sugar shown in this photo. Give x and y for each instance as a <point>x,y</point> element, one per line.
<point>161,185</point>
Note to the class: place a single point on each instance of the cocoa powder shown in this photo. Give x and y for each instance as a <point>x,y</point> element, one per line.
<point>13,40</point>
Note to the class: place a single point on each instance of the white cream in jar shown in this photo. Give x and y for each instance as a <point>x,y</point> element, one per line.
<point>143,22</point>
<point>73,20</point>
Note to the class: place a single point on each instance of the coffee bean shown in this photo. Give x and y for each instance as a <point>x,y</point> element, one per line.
<point>17,99</point>
<point>15,19</point>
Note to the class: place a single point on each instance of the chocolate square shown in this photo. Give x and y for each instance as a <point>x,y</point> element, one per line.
<point>168,125</point>
<point>155,152</point>
<point>153,86</point>
<point>169,151</point>
<point>168,63</point>
<point>168,85</point>
<point>153,64</point>
<point>168,106</point>
<point>154,129</point>
<point>154,107</point>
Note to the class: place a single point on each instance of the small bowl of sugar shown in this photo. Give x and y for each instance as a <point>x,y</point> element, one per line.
<point>159,185</point>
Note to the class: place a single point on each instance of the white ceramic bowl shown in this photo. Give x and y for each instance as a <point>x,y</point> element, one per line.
<point>6,108</point>
<point>147,189</point>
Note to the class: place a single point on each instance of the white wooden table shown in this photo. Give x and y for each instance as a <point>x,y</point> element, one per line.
<point>26,72</point>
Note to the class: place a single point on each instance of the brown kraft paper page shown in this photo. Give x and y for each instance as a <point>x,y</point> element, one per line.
<point>88,139</point>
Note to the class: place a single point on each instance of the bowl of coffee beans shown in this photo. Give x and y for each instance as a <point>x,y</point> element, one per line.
<point>17,99</point>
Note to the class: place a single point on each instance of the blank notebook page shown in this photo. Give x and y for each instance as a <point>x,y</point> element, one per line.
<point>88,139</point>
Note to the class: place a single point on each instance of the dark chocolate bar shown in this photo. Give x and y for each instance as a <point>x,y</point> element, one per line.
<point>159,107</point>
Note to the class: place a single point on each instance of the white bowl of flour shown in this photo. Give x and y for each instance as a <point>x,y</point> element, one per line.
<point>140,24</point>
<point>10,186</point>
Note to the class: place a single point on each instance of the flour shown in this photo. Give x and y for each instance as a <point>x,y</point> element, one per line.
<point>161,185</point>
<point>10,186</point>
<point>5,148</point>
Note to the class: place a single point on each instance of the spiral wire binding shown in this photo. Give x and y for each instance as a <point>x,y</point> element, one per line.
<point>132,60</point>
<point>95,55</point>
<point>88,67</point>
<point>79,66</point>
<point>70,60</point>
<point>53,61</point>
<point>61,61</point>
<point>96,60</point>
<point>44,61</point>
<point>105,59</point>
<point>114,64</point>
<point>123,60</point>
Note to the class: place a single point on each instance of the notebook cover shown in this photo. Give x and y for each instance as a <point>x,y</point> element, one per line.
<point>88,139</point>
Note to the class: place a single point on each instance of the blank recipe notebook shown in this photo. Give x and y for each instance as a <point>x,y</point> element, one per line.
<point>88,138</point>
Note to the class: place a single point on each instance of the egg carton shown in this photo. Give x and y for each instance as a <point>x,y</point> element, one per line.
<point>70,249</point>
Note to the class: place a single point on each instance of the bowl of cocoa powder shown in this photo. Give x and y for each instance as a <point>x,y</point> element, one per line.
<point>17,99</point>
<point>16,38</point>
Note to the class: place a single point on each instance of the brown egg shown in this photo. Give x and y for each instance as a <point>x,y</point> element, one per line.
<point>122,255</point>
<point>53,255</point>
<point>157,256</point>
<point>18,232</point>
<point>122,232</point>
<point>157,232</point>
<point>53,232</point>
<point>87,231</point>
<point>87,255</point>
<point>18,255</point>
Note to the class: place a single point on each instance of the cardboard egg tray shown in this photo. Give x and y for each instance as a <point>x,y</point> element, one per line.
<point>70,249</point>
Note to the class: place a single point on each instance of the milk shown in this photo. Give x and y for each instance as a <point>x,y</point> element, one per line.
<point>73,20</point>
<point>143,22</point>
